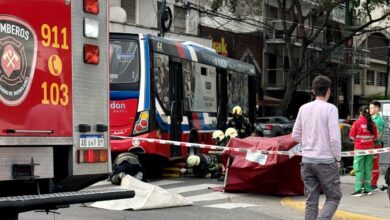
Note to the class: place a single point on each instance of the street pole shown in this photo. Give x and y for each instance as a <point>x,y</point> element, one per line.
<point>159,17</point>
<point>387,72</point>
<point>264,56</point>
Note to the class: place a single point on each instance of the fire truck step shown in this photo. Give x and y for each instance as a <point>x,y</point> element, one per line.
<point>53,200</point>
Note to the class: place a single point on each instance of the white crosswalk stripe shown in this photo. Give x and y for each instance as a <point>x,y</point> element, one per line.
<point>212,196</point>
<point>197,193</point>
<point>165,182</point>
<point>206,195</point>
<point>231,205</point>
<point>184,189</point>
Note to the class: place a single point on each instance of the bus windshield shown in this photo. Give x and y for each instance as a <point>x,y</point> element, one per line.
<point>124,62</point>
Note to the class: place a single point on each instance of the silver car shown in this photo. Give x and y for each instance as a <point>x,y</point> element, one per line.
<point>273,126</point>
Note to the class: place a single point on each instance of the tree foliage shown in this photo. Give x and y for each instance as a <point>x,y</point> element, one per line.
<point>313,17</point>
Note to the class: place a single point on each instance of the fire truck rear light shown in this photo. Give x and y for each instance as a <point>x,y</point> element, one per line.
<point>91,54</point>
<point>91,28</point>
<point>93,156</point>
<point>91,6</point>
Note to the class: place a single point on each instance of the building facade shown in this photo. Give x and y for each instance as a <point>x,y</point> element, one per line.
<point>253,33</point>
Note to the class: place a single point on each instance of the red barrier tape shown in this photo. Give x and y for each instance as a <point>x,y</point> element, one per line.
<point>293,152</point>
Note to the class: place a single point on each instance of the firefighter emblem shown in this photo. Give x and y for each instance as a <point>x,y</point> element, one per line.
<point>18,52</point>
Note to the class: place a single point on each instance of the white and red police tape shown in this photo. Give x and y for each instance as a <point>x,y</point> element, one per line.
<point>295,151</point>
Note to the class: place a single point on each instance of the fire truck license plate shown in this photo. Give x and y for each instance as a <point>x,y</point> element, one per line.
<point>89,141</point>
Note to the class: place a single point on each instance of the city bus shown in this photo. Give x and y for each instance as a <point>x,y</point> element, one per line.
<point>172,90</point>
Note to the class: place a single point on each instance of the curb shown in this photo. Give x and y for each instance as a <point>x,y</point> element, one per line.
<point>340,214</point>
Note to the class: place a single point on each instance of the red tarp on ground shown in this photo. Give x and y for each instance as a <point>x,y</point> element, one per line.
<point>280,175</point>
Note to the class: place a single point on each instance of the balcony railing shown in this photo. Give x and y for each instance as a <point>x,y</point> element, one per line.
<point>281,80</point>
<point>353,56</point>
<point>275,33</point>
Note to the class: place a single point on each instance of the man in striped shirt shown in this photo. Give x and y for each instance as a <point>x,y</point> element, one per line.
<point>317,129</point>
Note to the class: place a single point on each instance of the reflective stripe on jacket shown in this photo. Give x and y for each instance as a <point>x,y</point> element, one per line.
<point>364,139</point>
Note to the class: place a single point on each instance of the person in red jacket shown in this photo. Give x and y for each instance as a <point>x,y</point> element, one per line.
<point>364,133</point>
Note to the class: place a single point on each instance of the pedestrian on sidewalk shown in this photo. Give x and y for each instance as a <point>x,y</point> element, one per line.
<point>363,132</point>
<point>375,106</point>
<point>317,129</point>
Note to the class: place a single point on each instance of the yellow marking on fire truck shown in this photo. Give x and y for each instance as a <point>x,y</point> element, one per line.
<point>55,65</point>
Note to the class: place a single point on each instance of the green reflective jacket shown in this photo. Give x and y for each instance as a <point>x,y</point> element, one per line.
<point>380,125</point>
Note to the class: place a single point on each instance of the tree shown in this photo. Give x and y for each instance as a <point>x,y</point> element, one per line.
<point>301,59</point>
<point>299,68</point>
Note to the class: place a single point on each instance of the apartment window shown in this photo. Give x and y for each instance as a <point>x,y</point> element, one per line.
<point>381,79</point>
<point>129,6</point>
<point>370,77</point>
<point>356,78</point>
<point>180,19</point>
<point>272,69</point>
<point>273,12</point>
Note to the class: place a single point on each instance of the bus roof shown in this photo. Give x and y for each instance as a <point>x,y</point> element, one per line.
<point>197,53</point>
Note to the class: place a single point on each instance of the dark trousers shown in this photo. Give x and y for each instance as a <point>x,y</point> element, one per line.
<point>316,177</point>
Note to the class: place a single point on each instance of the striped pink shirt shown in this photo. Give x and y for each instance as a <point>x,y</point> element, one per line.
<point>317,129</point>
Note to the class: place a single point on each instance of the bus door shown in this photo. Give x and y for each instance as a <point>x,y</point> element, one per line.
<point>176,108</point>
<point>222,111</point>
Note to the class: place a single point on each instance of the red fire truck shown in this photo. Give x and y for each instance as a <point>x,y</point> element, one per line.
<point>54,97</point>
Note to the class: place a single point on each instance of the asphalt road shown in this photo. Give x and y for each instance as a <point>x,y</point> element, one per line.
<point>208,204</point>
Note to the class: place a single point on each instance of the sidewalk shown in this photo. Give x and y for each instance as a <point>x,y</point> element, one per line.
<point>373,207</point>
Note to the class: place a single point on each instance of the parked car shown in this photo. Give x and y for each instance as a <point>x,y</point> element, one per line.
<point>346,145</point>
<point>273,126</point>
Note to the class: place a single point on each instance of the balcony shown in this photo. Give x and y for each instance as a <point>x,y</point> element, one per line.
<point>275,34</point>
<point>355,57</point>
<point>275,79</point>
<point>279,81</point>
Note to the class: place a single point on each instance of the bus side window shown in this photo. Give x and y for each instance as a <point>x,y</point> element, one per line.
<point>161,76</point>
<point>189,85</point>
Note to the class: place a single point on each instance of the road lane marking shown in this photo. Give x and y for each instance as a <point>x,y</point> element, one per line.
<point>184,189</point>
<point>340,214</point>
<point>213,196</point>
<point>231,205</point>
<point>165,182</point>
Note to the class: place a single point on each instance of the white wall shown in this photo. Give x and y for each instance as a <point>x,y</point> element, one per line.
<point>124,28</point>
<point>147,15</point>
<point>146,21</point>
